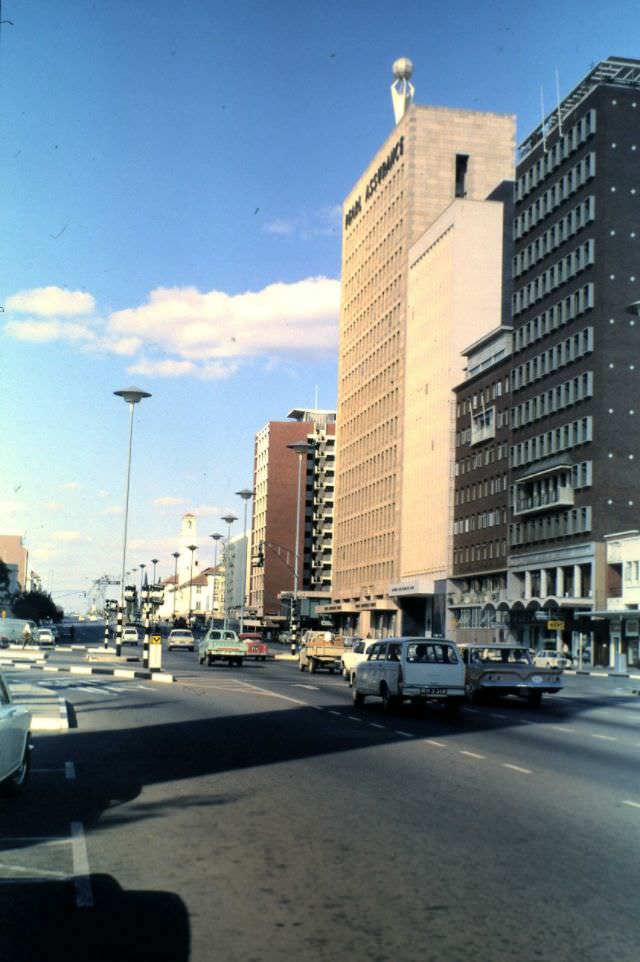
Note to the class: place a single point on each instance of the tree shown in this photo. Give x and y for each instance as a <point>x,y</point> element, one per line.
<point>5,581</point>
<point>37,606</point>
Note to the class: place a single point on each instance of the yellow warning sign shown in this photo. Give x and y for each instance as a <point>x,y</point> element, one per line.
<point>156,639</point>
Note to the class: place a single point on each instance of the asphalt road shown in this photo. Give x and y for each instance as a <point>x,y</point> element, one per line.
<point>254,814</point>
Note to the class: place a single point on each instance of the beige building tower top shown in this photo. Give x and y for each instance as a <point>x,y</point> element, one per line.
<point>433,156</point>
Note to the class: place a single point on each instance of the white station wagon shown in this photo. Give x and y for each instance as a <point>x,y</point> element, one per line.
<point>416,669</point>
<point>15,722</point>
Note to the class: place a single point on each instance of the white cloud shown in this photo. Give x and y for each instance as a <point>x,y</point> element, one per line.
<point>207,510</point>
<point>54,506</point>
<point>112,509</point>
<point>71,486</point>
<point>307,226</point>
<point>184,332</point>
<point>43,553</point>
<point>71,537</point>
<point>51,302</point>
<point>167,501</point>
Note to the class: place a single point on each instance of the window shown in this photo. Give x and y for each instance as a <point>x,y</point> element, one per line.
<point>462,162</point>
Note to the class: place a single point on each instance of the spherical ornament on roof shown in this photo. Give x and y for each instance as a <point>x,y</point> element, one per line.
<point>402,68</point>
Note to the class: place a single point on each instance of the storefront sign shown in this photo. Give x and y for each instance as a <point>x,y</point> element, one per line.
<point>555,625</point>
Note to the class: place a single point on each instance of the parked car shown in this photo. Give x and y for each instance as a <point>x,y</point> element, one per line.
<point>418,669</point>
<point>551,658</point>
<point>130,635</point>
<point>353,655</point>
<point>181,639</point>
<point>15,725</point>
<point>499,669</point>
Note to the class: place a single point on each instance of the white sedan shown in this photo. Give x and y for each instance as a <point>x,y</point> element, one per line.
<point>15,723</point>
<point>181,638</point>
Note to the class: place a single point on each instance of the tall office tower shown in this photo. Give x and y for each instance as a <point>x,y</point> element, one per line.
<point>575,456</point>
<point>436,158</point>
<point>277,514</point>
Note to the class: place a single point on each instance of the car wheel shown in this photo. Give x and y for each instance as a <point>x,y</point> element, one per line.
<point>16,782</point>
<point>452,708</point>
<point>534,699</point>
<point>312,665</point>
<point>209,660</point>
<point>389,701</point>
<point>352,679</point>
<point>345,673</point>
<point>357,697</point>
<point>472,693</point>
<point>300,666</point>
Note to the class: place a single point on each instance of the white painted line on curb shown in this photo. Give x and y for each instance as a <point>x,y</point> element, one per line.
<point>632,804</point>
<point>516,768</point>
<point>472,754</point>
<point>82,880</point>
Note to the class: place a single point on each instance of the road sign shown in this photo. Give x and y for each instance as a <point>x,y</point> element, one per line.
<point>555,625</point>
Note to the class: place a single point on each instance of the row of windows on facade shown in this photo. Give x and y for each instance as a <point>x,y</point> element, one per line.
<point>482,489</point>
<point>370,357</point>
<point>361,527</point>
<point>556,195</point>
<point>382,436</point>
<point>372,548</point>
<point>358,269</point>
<point>372,218</point>
<point>364,574</point>
<point>483,426</point>
<point>380,467</point>
<point>525,493</point>
<point>484,519</point>
<point>360,339</point>
<point>378,296</point>
<point>551,239</point>
<point>576,389</point>
<point>480,552</point>
<point>555,155</point>
<point>554,277</point>
<point>489,455</point>
<point>551,526</point>
<point>485,396</point>
<point>564,352</point>
<point>376,413</point>
<point>563,438</point>
<point>369,397</point>
<point>554,317</point>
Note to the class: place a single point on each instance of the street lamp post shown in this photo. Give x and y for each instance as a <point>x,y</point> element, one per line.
<point>154,562</point>
<point>228,519</point>
<point>175,555</point>
<point>246,496</point>
<point>192,548</point>
<point>300,448</point>
<point>216,537</point>
<point>133,396</point>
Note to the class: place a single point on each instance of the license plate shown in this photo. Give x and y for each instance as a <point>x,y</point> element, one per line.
<point>433,691</point>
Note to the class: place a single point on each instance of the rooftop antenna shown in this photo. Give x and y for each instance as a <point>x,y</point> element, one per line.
<point>402,90</point>
<point>558,102</point>
<point>542,124</point>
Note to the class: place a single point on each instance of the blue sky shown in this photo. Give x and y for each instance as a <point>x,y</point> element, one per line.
<point>172,175</point>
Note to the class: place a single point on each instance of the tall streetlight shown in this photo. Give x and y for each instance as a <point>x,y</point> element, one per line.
<point>300,448</point>
<point>132,396</point>
<point>216,538</point>
<point>154,562</point>
<point>175,555</point>
<point>246,496</point>
<point>228,519</point>
<point>192,548</point>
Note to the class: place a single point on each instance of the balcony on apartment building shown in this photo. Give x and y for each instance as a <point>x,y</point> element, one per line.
<point>550,488</point>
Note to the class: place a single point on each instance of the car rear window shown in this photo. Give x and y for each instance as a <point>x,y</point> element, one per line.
<point>421,653</point>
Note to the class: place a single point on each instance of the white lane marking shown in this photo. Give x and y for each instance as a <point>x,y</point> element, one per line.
<point>516,768</point>
<point>495,715</point>
<point>376,725</point>
<point>432,741</point>
<point>145,687</point>
<point>605,738</point>
<point>472,754</point>
<point>82,880</point>
<point>274,694</point>
<point>332,712</point>
<point>476,711</point>
<point>404,734</point>
<point>308,687</point>
<point>632,804</point>
<point>561,728</point>
<point>69,770</point>
<point>354,718</point>
<point>39,873</point>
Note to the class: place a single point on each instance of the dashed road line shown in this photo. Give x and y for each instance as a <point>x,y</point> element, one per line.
<point>332,712</point>
<point>605,738</point>
<point>630,803</point>
<point>82,880</point>
<point>495,715</point>
<point>432,741</point>
<point>404,734</point>
<point>354,718</point>
<point>376,725</point>
<point>517,768</point>
<point>472,754</point>
<point>562,728</point>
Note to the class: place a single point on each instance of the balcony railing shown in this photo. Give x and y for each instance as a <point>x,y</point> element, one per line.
<point>557,498</point>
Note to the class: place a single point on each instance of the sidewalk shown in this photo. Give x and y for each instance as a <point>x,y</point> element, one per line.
<point>48,709</point>
<point>105,663</point>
